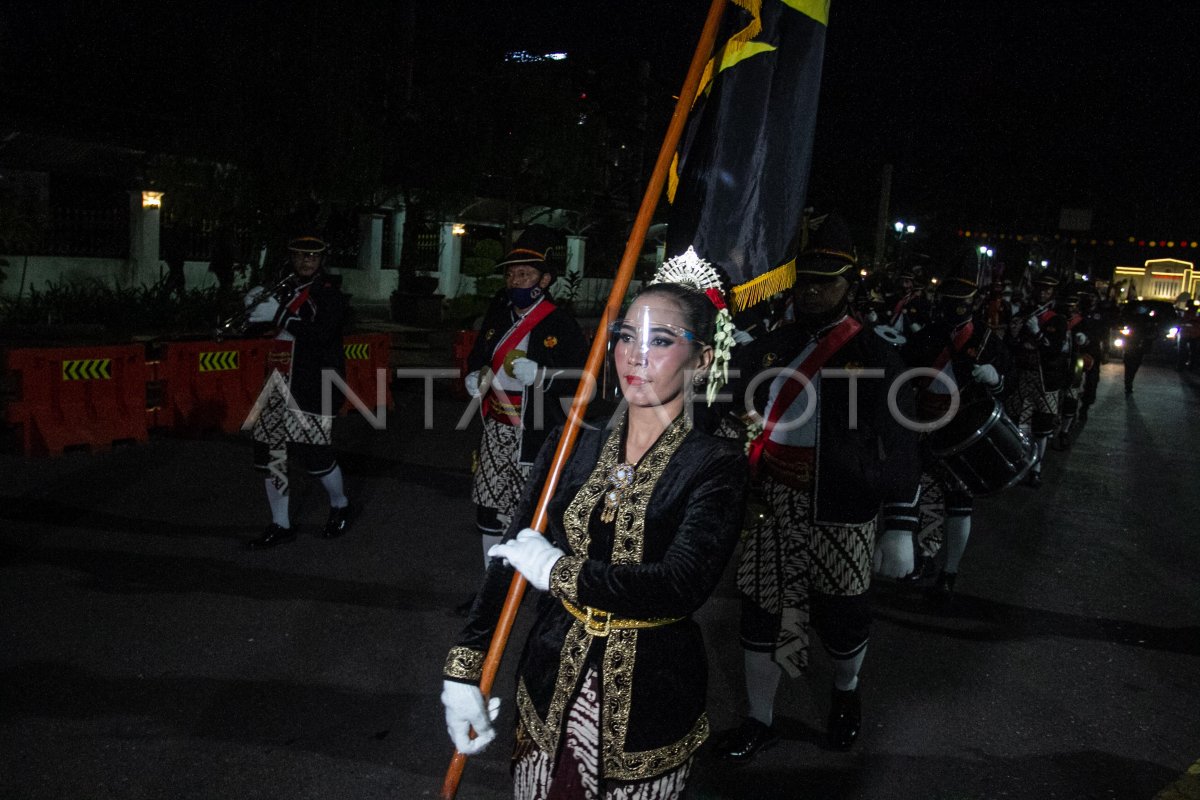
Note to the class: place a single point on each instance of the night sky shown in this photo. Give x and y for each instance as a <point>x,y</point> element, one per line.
<point>994,115</point>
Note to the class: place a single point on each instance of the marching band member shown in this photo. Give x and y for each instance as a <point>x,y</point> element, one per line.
<point>825,464</point>
<point>526,345</point>
<point>1076,340</point>
<point>1039,348</point>
<point>969,360</point>
<point>293,421</point>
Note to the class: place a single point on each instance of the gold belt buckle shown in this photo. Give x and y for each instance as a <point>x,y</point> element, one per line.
<point>597,622</point>
<point>804,472</point>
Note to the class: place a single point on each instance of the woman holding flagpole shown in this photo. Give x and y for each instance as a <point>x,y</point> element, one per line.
<point>612,680</point>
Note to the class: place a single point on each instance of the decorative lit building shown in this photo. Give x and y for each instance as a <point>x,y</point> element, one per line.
<point>1159,279</point>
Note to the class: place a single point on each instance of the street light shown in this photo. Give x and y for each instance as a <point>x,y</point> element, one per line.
<point>901,228</point>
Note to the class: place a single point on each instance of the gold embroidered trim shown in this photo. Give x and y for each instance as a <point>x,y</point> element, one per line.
<point>570,670</point>
<point>564,577</point>
<point>463,663</point>
<point>621,645</point>
<point>649,763</point>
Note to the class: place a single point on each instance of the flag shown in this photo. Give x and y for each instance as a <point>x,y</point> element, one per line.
<point>738,183</point>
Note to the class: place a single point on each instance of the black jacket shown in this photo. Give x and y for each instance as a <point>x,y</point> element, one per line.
<point>317,326</point>
<point>556,343</point>
<point>858,469</point>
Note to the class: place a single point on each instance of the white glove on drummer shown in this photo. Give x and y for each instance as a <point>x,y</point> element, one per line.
<point>1031,325</point>
<point>893,556</point>
<point>471,382</point>
<point>525,370</point>
<point>531,555</point>
<point>466,709</point>
<point>985,374</point>
<point>1081,339</point>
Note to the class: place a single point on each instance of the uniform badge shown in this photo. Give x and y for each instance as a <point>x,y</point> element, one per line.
<point>550,342</point>
<point>769,359</point>
<point>490,333</point>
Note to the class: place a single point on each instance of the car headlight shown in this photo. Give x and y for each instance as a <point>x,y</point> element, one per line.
<point>1118,342</point>
<point>1126,330</point>
<point>1171,334</point>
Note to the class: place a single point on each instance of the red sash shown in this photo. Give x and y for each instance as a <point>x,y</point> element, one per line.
<point>528,322</point>
<point>843,332</point>
<point>899,307</point>
<point>293,306</point>
<point>1074,320</point>
<point>956,345</point>
<point>1045,315</point>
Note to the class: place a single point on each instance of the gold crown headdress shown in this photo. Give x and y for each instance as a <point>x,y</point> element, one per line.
<point>690,270</point>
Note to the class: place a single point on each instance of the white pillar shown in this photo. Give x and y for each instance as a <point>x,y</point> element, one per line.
<point>370,242</point>
<point>143,261</point>
<point>399,217</point>
<point>576,249</point>
<point>449,261</point>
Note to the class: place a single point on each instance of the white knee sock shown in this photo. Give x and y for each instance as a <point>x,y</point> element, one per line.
<point>845,671</point>
<point>958,530</point>
<point>762,680</point>
<point>279,505</point>
<point>333,485</point>
<point>488,541</point>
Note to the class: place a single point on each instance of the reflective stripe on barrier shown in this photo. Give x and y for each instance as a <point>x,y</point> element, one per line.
<point>367,357</point>
<point>78,397</point>
<point>210,386</point>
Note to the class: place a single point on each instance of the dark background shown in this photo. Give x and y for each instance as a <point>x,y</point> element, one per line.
<point>994,115</point>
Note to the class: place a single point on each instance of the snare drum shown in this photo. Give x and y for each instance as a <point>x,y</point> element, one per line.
<point>981,451</point>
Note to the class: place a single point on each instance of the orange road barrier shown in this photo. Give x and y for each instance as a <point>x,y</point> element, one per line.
<point>209,386</point>
<point>464,341</point>
<point>367,368</point>
<point>77,397</point>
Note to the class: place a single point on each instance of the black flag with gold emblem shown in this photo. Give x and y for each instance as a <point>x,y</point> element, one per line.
<point>738,184</point>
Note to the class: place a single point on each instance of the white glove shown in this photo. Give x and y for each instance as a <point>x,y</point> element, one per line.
<point>531,555</point>
<point>915,326</point>
<point>985,374</point>
<point>1031,325</point>
<point>1080,339</point>
<point>265,311</point>
<point>741,337</point>
<point>471,381</point>
<point>525,371</point>
<point>465,709</point>
<point>893,556</point>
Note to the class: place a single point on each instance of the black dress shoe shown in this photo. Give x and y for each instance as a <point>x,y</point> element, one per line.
<point>845,718</point>
<point>743,743</point>
<point>941,593</point>
<point>272,536</point>
<point>338,522</point>
<point>922,569</point>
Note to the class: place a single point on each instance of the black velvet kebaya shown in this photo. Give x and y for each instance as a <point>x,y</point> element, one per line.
<point>621,599</point>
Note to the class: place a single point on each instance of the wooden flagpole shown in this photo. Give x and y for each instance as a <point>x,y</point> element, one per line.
<point>595,359</point>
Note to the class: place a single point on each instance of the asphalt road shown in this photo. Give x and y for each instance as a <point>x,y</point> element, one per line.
<point>145,654</point>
